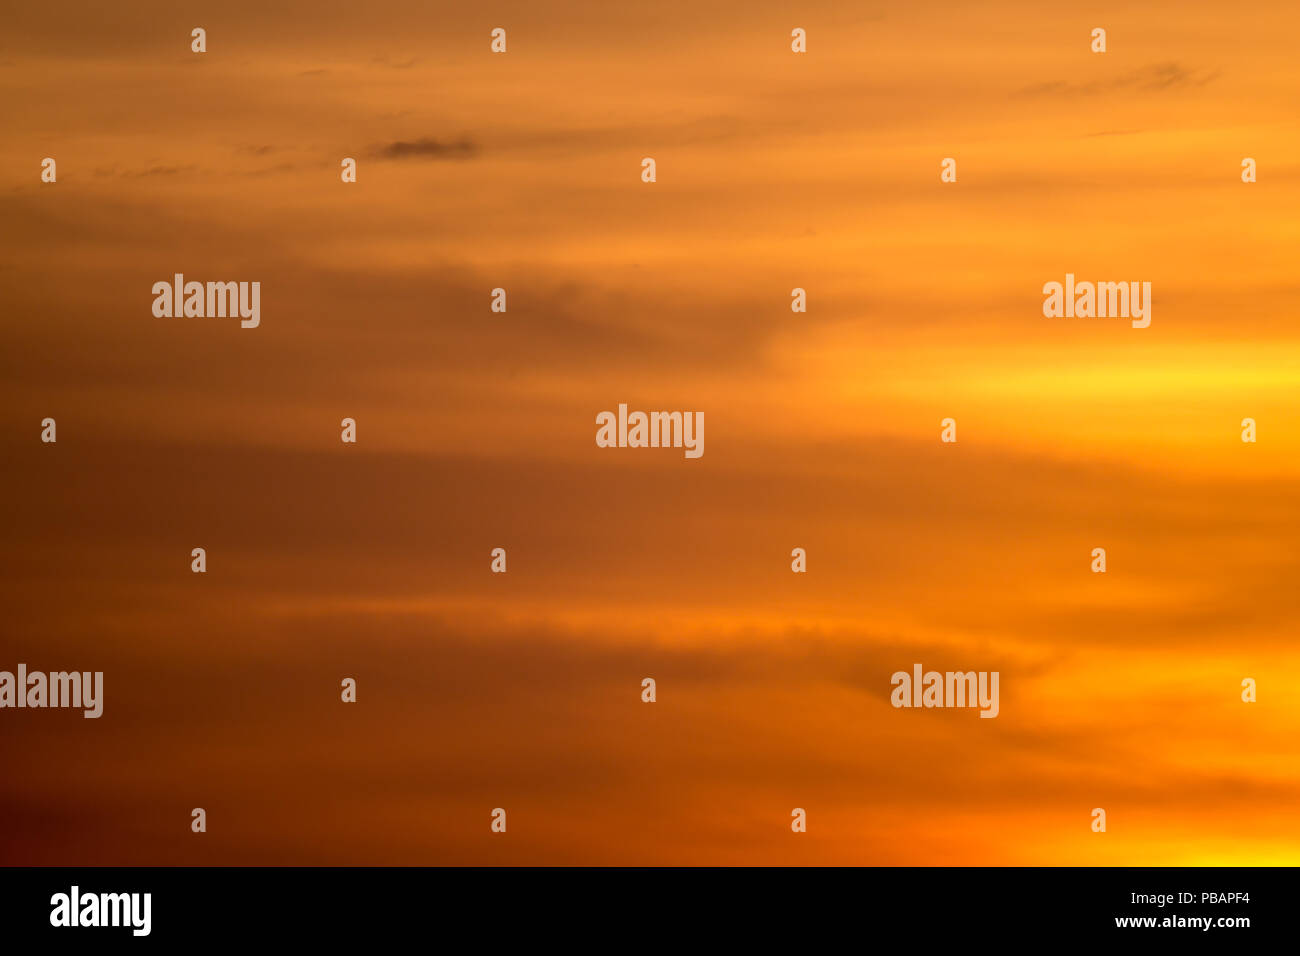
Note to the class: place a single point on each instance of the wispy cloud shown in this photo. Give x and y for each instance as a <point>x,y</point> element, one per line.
<point>1153,78</point>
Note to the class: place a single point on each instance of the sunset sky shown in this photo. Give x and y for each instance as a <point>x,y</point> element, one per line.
<point>476,430</point>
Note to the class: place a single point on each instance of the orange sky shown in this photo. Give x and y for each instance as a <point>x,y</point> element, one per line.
<point>476,431</point>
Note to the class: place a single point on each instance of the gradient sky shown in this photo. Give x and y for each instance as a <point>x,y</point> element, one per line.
<point>476,430</point>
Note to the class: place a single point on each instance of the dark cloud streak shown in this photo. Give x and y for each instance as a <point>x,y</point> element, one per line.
<point>428,148</point>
